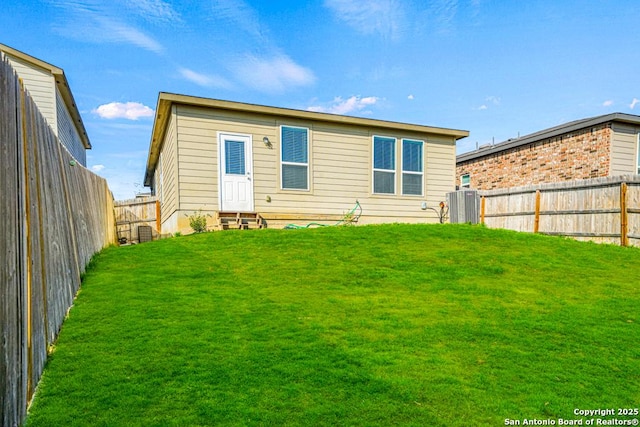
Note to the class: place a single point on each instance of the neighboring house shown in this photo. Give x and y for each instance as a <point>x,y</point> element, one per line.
<point>600,146</point>
<point>49,89</point>
<point>293,166</point>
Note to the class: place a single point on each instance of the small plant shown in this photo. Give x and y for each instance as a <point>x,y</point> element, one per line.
<point>349,219</point>
<point>198,221</point>
<point>177,234</point>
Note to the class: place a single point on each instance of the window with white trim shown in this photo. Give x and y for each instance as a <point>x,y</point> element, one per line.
<point>384,165</point>
<point>294,160</point>
<point>412,169</point>
<point>465,181</point>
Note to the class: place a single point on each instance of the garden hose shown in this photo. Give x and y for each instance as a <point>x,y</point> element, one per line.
<point>348,218</point>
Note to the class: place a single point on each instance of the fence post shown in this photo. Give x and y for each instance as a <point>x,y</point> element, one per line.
<point>482,204</point>
<point>27,251</point>
<point>624,239</point>
<point>20,362</point>
<point>158,219</point>
<point>536,222</point>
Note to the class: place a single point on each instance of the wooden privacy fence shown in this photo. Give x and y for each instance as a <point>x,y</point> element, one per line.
<point>54,215</point>
<point>604,210</point>
<point>133,214</point>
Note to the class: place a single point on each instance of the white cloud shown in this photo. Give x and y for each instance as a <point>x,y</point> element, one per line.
<point>99,22</point>
<point>264,67</point>
<point>203,79</point>
<point>634,103</point>
<point>350,105</point>
<point>118,32</point>
<point>410,97</point>
<point>127,110</point>
<point>384,17</point>
<point>154,10</point>
<point>607,103</point>
<point>97,168</point>
<point>275,74</point>
<point>489,102</point>
<point>495,100</point>
<point>241,15</point>
<point>445,12</point>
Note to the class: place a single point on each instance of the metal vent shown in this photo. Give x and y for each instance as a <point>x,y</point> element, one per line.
<point>464,207</point>
<point>145,234</point>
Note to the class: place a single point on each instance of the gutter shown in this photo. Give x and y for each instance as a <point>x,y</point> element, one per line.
<point>548,133</point>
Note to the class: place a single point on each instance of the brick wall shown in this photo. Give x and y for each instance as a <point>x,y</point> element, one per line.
<point>577,155</point>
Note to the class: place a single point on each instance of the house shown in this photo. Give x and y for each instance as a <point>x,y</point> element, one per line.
<point>50,91</point>
<point>601,146</point>
<point>293,166</point>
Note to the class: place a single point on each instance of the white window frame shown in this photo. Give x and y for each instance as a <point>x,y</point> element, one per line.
<point>468,184</point>
<point>421,173</point>
<point>638,154</point>
<point>283,163</point>
<point>373,163</point>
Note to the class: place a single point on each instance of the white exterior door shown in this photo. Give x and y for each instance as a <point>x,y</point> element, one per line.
<point>236,174</point>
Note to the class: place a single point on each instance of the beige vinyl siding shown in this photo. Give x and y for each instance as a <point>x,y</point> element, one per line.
<point>624,150</point>
<point>340,168</point>
<point>41,86</point>
<point>169,176</point>
<point>440,169</point>
<point>156,187</point>
<point>67,132</point>
<point>198,153</point>
<point>341,172</point>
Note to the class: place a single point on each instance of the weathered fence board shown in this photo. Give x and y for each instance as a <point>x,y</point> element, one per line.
<point>633,214</point>
<point>605,210</point>
<point>130,214</point>
<point>55,214</point>
<point>13,354</point>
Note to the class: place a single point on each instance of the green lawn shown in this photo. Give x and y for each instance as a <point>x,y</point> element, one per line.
<point>425,325</point>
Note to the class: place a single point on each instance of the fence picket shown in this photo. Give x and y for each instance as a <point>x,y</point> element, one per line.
<point>130,214</point>
<point>54,215</point>
<point>605,210</point>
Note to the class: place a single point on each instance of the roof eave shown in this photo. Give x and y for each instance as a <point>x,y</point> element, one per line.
<point>163,109</point>
<point>548,133</point>
<point>165,100</point>
<point>63,86</point>
<point>61,83</point>
<point>309,115</point>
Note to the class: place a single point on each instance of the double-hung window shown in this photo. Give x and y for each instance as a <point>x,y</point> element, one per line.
<point>294,158</point>
<point>412,169</point>
<point>384,165</point>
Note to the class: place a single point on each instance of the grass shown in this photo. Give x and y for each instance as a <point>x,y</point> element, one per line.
<point>434,325</point>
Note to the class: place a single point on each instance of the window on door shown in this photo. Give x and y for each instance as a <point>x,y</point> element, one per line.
<point>294,165</point>
<point>234,157</point>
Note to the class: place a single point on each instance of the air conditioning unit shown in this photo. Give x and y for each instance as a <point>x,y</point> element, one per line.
<point>464,207</point>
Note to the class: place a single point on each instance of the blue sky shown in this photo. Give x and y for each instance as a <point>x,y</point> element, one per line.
<point>496,68</point>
